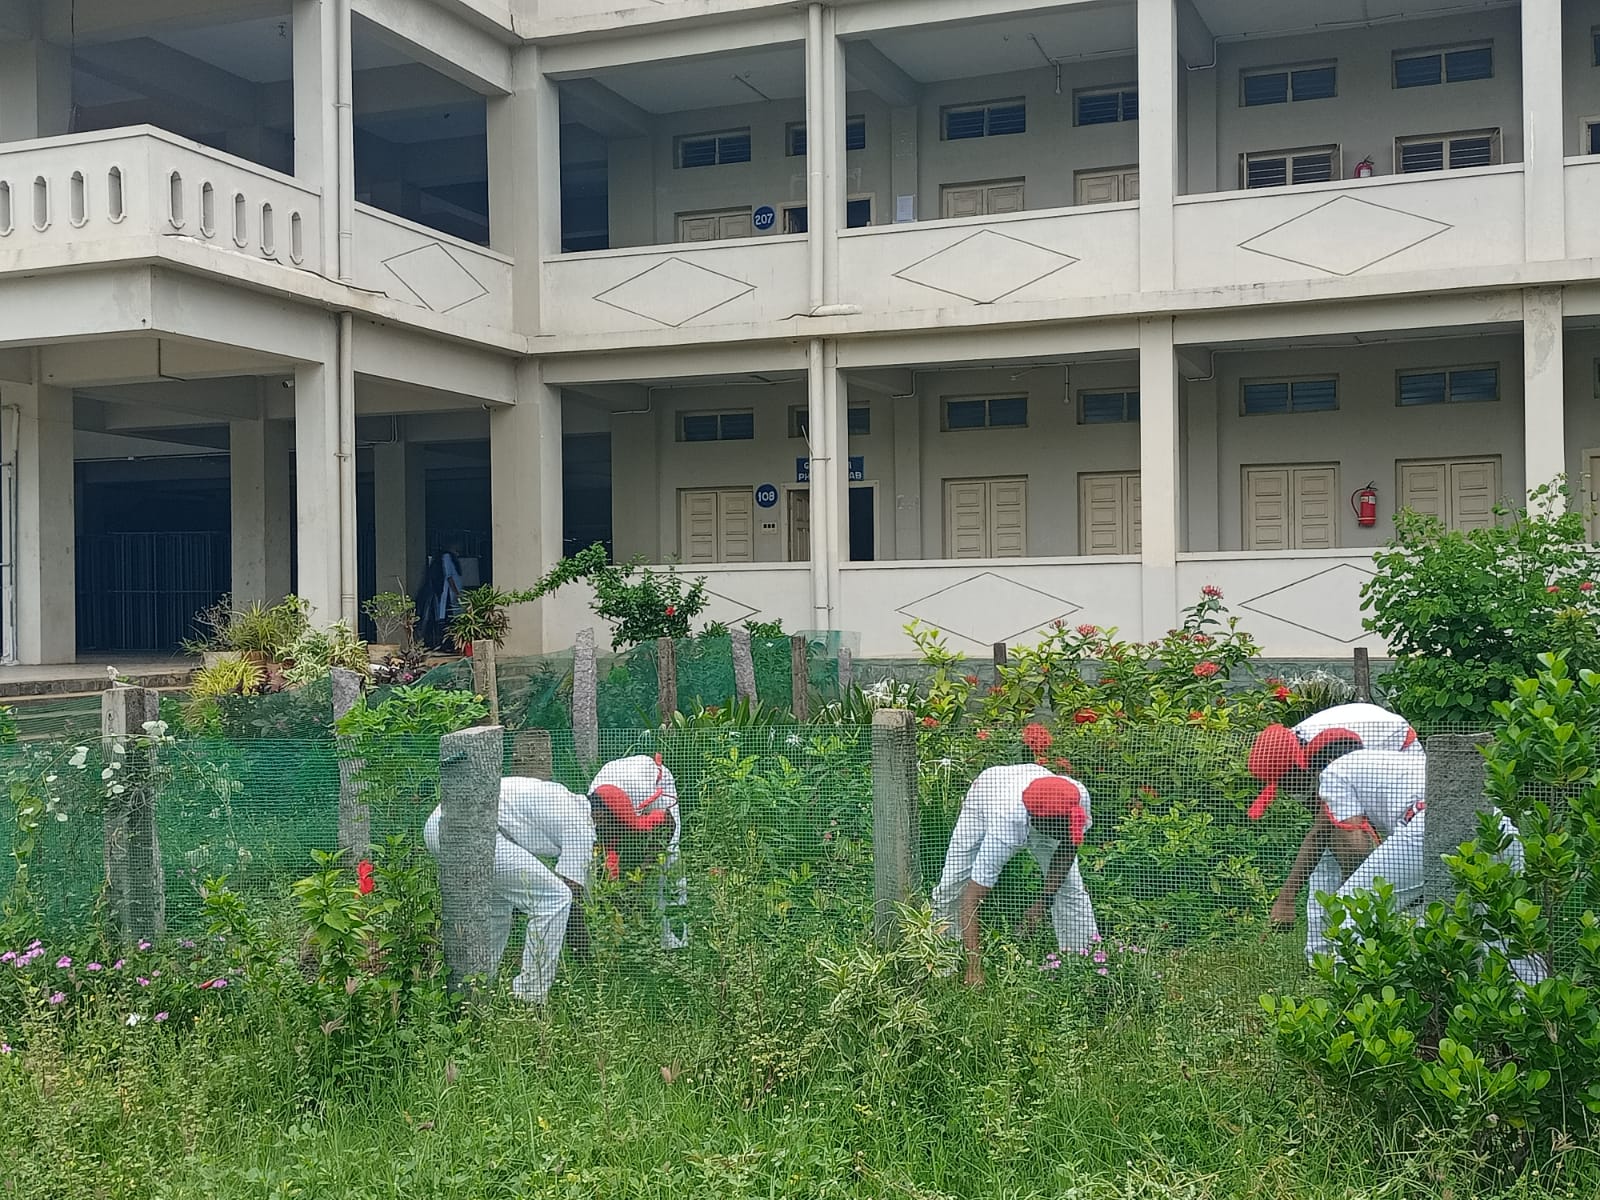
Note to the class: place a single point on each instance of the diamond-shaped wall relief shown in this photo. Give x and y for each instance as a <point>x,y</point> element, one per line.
<point>1327,603</point>
<point>725,609</point>
<point>435,277</point>
<point>985,266</point>
<point>1344,236</point>
<point>674,292</point>
<point>988,608</point>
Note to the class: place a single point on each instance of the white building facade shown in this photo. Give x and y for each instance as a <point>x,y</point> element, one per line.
<point>976,311</point>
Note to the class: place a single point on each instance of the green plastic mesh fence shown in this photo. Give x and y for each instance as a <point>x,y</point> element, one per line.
<point>770,830</point>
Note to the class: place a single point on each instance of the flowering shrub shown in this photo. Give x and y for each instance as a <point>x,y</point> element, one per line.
<point>642,603</point>
<point>1466,613</point>
<point>1430,1016</point>
<point>1106,977</point>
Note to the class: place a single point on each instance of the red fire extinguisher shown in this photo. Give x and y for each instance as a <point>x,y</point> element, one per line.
<point>1364,169</point>
<point>1365,503</point>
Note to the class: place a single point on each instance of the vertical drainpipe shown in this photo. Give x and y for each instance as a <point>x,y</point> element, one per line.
<point>816,390</point>
<point>816,196</point>
<point>346,390</point>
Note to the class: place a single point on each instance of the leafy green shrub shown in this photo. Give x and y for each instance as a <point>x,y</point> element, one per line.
<point>231,675</point>
<point>1430,1017</point>
<point>640,602</point>
<point>1466,614</point>
<point>396,744</point>
<point>315,652</point>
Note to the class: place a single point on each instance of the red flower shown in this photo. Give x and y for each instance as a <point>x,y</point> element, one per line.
<point>1065,765</point>
<point>970,680</point>
<point>1088,630</point>
<point>1205,670</point>
<point>1211,592</point>
<point>1036,738</point>
<point>929,722</point>
<point>1281,693</point>
<point>365,884</point>
<point>1197,715</point>
<point>1085,716</point>
<point>1201,639</point>
<point>613,864</point>
<point>1586,586</point>
<point>1552,589</point>
<point>672,610</point>
<point>1149,793</point>
<point>1274,681</point>
<point>983,735</point>
<point>996,690</point>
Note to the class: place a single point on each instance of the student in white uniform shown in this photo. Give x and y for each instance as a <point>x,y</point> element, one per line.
<point>543,848</point>
<point>637,795</point>
<point>1382,794</point>
<point>1006,810</point>
<point>1292,759</point>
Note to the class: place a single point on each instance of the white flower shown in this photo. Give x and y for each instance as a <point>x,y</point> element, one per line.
<point>133,1018</point>
<point>117,789</point>
<point>80,756</point>
<point>118,748</point>
<point>793,739</point>
<point>61,816</point>
<point>106,774</point>
<point>50,778</point>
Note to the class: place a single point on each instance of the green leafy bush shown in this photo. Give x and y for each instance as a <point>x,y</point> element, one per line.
<point>641,602</point>
<point>1429,1017</point>
<point>1466,613</point>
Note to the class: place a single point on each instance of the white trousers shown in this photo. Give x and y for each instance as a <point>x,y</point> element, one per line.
<point>1072,913</point>
<point>1399,860</point>
<point>672,893</point>
<point>524,884</point>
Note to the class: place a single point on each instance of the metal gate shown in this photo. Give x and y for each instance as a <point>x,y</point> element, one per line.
<point>140,591</point>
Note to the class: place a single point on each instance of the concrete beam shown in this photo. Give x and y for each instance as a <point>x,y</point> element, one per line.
<point>154,69</point>
<point>870,68</point>
<point>887,382</point>
<point>467,53</point>
<point>403,356</point>
<point>572,58</point>
<point>222,312</point>
<point>613,397</point>
<point>40,309</point>
<point>150,405</point>
<point>85,21</point>
<point>432,428</point>
<point>1197,45</point>
<point>591,104</point>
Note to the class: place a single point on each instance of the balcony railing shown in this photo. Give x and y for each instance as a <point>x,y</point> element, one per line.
<point>415,265</point>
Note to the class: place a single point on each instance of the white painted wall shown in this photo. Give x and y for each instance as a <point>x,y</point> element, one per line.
<point>1579,76</point>
<point>1368,113</point>
<point>1369,432</point>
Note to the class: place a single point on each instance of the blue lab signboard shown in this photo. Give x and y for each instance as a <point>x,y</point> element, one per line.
<point>858,469</point>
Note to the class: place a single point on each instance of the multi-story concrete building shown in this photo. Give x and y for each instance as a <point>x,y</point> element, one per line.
<point>983,311</point>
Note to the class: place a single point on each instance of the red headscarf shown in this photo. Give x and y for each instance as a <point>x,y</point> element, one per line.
<point>620,805</point>
<point>1051,796</point>
<point>1278,750</point>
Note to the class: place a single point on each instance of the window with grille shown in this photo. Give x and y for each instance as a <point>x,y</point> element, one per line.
<point>1279,168</point>
<point>858,420</point>
<point>732,425</point>
<point>1281,85</point>
<point>855,136</point>
<point>714,149</point>
<point>990,119</point>
<point>1448,151</point>
<point>1265,397</point>
<point>1591,136</point>
<point>1460,385</point>
<point>1454,64</point>
<point>1107,408</point>
<point>1105,106</point>
<point>857,215</point>
<point>989,412</point>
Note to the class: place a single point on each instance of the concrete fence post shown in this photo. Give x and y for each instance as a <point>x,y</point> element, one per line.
<point>1000,655</point>
<point>799,678</point>
<point>1456,793</point>
<point>744,666</point>
<point>847,671</point>
<point>355,819</point>
<point>532,756</point>
<point>1361,673</point>
<point>895,824</point>
<point>469,807</point>
<point>666,678</point>
<point>134,878</point>
<point>486,676</point>
<point>585,700</point>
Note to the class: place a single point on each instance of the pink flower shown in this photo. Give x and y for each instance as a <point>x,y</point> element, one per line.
<point>5,1047</point>
<point>1552,589</point>
<point>1586,586</point>
<point>213,984</point>
<point>1205,670</point>
<point>142,981</point>
<point>1099,970</point>
<point>144,945</point>
<point>983,735</point>
<point>929,722</point>
<point>63,962</point>
<point>1099,956</point>
<point>1201,639</point>
<point>160,1017</point>
<point>8,956</point>
<point>94,967</point>
<point>58,997</point>
<point>1211,592</point>
<point>1088,630</point>
<point>117,966</point>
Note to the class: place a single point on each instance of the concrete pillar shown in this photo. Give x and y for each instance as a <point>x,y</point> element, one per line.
<point>830,481</point>
<point>35,90</point>
<point>1543,386</point>
<point>525,489</point>
<point>317,491</point>
<point>1201,491</point>
<point>908,476</point>
<point>45,553</point>
<point>1159,474</point>
<point>259,466</point>
<point>1543,133</point>
<point>316,113</point>
<point>904,179</point>
<point>829,151</point>
<point>524,132</point>
<point>1158,124</point>
<point>400,505</point>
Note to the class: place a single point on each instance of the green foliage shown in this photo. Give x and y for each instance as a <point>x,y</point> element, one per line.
<point>229,675</point>
<point>1428,1017</point>
<point>641,603</point>
<point>483,616</point>
<point>266,630</point>
<point>1466,614</point>
<point>407,714</point>
<point>394,616</point>
<point>315,652</point>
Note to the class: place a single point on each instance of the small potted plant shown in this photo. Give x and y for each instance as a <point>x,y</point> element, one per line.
<point>482,617</point>
<point>394,616</point>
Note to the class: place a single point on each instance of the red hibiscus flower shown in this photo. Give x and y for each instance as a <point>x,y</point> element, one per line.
<point>365,884</point>
<point>1281,693</point>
